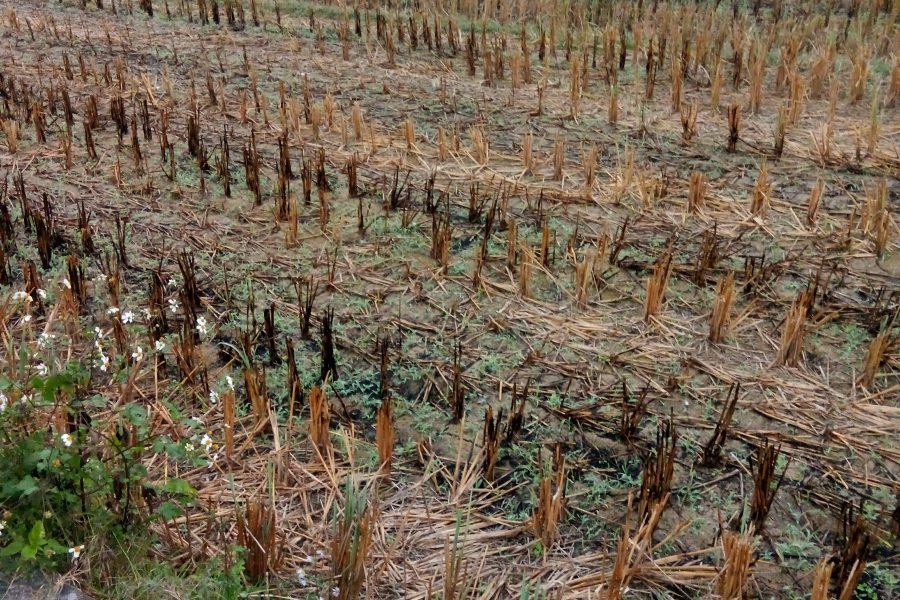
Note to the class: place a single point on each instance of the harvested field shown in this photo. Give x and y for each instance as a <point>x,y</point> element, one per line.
<point>457,300</point>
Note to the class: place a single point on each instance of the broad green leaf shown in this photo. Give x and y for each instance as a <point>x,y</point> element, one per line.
<point>135,414</point>
<point>179,486</point>
<point>36,537</point>
<point>169,510</point>
<point>14,548</point>
<point>27,486</point>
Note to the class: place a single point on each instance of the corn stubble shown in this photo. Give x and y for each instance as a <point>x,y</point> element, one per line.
<point>738,549</point>
<point>257,533</point>
<point>765,485</point>
<point>351,542</point>
<point>319,422</point>
<point>793,333</point>
<point>656,286</point>
<point>712,452</point>
<point>551,501</point>
<point>656,481</point>
<point>721,313</point>
<point>384,428</point>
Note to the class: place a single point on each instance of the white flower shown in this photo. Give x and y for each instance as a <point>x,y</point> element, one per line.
<point>173,304</point>
<point>212,462</point>
<point>42,369</point>
<point>320,554</point>
<point>19,295</point>
<point>138,354</point>
<point>201,325</point>
<point>26,318</point>
<point>66,439</point>
<point>146,313</point>
<point>230,382</point>
<point>45,339</point>
<point>2,526</point>
<point>98,332</point>
<point>206,442</point>
<point>112,310</point>
<point>66,283</point>
<point>308,560</point>
<point>42,293</point>
<point>105,364</point>
<point>302,577</point>
<point>335,591</point>
<point>189,447</point>
<point>213,396</point>
<point>76,551</point>
<point>4,401</point>
<point>26,398</point>
<point>101,277</point>
<point>159,346</point>
<point>172,282</point>
<point>127,316</point>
